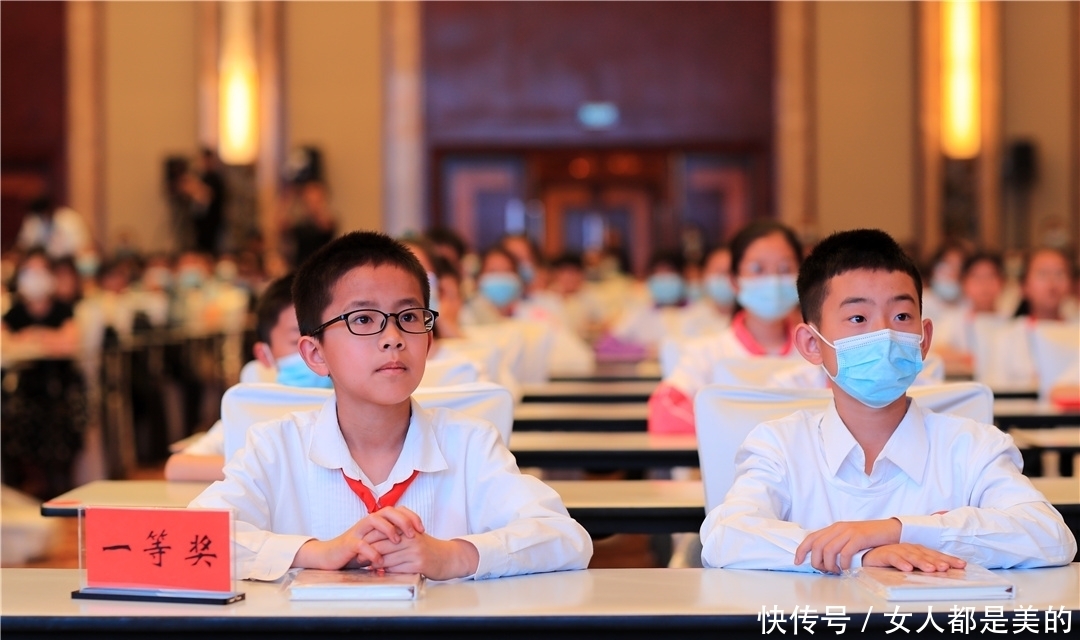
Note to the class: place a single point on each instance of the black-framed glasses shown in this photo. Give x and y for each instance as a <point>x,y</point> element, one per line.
<point>368,322</point>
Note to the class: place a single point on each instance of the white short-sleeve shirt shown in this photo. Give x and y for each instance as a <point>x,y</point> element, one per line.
<point>286,487</point>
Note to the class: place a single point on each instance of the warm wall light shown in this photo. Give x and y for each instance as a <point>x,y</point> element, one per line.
<point>238,84</point>
<point>960,136</point>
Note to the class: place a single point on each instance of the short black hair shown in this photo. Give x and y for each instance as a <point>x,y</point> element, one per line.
<point>993,259</point>
<point>502,251</point>
<point>444,268</point>
<point>274,299</point>
<point>450,238</point>
<point>755,231</point>
<point>570,260</point>
<point>315,279</point>
<point>667,257</point>
<point>845,251</point>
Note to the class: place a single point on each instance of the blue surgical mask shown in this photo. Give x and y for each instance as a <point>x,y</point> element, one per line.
<point>87,265</point>
<point>665,288</point>
<point>500,288</point>
<point>190,277</point>
<point>527,273</point>
<point>292,371</point>
<point>433,298</point>
<point>876,368</point>
<point>946,289</point>
<point>719,289</point>
<point>768,297</point>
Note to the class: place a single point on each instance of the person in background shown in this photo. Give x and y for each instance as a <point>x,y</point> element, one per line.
<point>314,224</point>
<point>582,312</point>
<point>876,480</point>
<point>712,312</point>
<point>276,359</point>
<point>210,225</point>
<point>450,299</point>
<point>530,263</point>
<point>945,292</point>
<point>450,245</point>
<point>644,325</point>
<point>59,231</point>
<point>981,281</point>
<point>765,259</point>
<point>498,288</point>
<point>69,285</point>
<point>44,408</point>
<point>1046,284</point>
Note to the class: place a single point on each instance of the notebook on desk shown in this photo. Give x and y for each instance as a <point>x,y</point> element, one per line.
<point>355,584</point>
<point>971,583</point>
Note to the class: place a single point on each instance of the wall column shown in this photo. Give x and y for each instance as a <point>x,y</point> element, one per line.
<point>403,126</point>
<point>85,116</point>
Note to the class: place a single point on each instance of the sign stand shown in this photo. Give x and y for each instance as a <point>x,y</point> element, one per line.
<point>157,555</point>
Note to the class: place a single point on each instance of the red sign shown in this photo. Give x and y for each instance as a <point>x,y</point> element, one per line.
<point>158,549</point>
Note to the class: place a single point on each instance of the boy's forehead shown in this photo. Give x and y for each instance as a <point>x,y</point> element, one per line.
<point>383,282</point>
<point>868,283</point>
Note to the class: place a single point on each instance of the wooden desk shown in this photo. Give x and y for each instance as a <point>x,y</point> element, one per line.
<point>634,416</point>
<point>603,451</point>
<point>646,370</point>
<point>1032,414</point>
<point>622,603</point>
<point>626,391</point>
<point>581,416</point>
<point>601,506</point>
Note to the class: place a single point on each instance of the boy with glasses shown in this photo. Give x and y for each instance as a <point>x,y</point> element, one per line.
<point>371,478</point>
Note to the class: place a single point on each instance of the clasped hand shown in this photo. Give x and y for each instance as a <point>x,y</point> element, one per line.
<point>392,539</point>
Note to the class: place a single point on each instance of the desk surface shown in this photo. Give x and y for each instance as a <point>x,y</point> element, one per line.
<point>638,602</point>
<point>601,506</point>
<point>581,416</point>
<point>1033,414</point>
<point>592,450</point>
<point>578,495</point>
<point>586,391</point>
<point>633,416</point>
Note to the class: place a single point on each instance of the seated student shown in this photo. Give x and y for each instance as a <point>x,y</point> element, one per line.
<point>1003,358</point>
<point>399,487</point>
<point>711,313</point>
<point>982,279</point>
<point>875,479</point>
<point>1046,284</point>
<point>944,295</point>
<point>276,360</point>
<point>660,313</point>
<point>765,257</point>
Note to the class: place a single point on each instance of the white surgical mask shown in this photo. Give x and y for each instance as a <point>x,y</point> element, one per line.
<point>35,283</point>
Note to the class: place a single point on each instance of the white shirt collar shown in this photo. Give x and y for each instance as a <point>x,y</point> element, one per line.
<point>420,452</point>
<point>908,447</point>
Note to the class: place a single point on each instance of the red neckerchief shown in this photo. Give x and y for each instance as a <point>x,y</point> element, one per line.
<point>388,500</point>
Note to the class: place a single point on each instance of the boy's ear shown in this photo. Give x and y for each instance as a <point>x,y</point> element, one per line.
<point>261,351</point>
<point>928,333</point>
<point>430,342</point>
<point>311,351</point>
<point>808,344</point>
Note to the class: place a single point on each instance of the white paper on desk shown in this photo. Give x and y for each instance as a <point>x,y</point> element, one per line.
<point>354,584</point>
<point>971,583</point>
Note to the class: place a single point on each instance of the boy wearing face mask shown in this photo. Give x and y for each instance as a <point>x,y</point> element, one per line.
<point>277,360</point>
<point>876,480</point>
